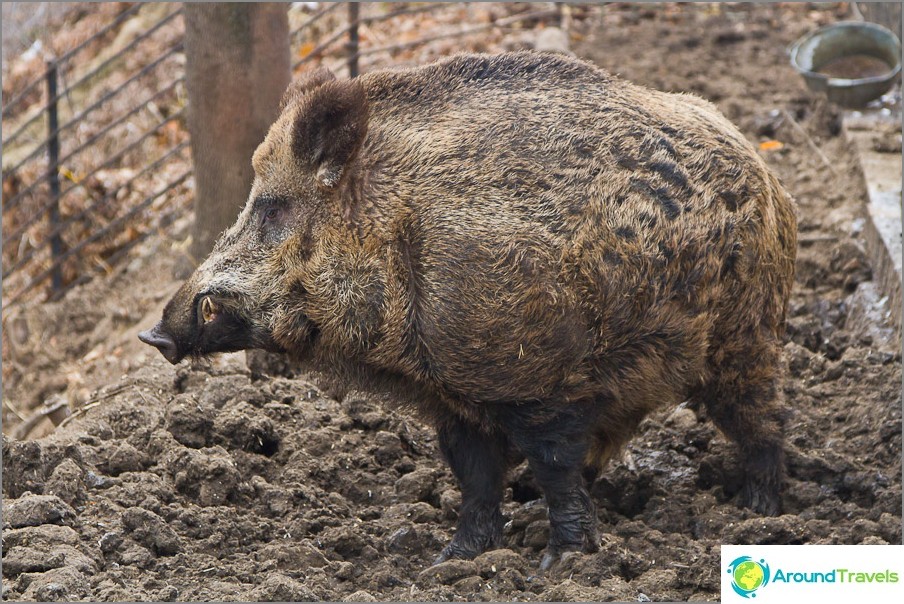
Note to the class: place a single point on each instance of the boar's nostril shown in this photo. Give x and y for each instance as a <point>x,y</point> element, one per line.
<point>161,340</point>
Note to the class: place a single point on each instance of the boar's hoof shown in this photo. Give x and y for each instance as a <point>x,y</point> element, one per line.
<point>548,559</point>
<point>762,499</point>
<point>467,546</point>
<point>450,553</point>
<point>554,554</point>
<point>763,470</point>
<point>457,551</point>
<point>453,552</point>
<point>479,529</point>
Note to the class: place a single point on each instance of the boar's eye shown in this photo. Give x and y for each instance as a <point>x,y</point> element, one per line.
<point>269,212</point>
<point>270,215</point>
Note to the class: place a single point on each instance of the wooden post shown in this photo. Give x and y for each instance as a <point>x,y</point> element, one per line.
<point>53,177</point>
<point>237,66</point>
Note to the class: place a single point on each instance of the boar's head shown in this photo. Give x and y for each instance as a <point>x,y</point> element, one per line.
<point>244,291</point>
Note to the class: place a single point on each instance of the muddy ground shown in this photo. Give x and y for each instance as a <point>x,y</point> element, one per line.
<point>210,483</point>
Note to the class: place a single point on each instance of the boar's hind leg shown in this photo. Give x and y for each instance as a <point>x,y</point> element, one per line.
<point>555,442</point>
<point>744,402</point>
<point>478,460</point>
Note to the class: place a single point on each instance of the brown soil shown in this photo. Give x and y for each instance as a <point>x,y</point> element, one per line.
<point>208,483</point>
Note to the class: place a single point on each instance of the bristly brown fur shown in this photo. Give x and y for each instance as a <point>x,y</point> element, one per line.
<point>532,250</point>
<point>308,82</point>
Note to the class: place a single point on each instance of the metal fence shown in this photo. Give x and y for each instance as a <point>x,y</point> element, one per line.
<point>69,196</point>
<point>343,47</point>
<point>65,217</point>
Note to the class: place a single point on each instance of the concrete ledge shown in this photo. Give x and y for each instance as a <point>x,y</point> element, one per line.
<point>882,171</point>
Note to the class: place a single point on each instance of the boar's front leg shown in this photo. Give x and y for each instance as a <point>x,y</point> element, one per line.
<point>478,459</point>
<point>555,442</point>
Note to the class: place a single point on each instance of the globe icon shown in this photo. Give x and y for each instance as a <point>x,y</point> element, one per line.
<point>748,575</point>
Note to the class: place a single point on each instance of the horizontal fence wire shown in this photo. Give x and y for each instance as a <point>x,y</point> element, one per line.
<point>314,19</point>
<point>114,258</point>
<point>98,103</point>
<point>315,52</point>
<point>412,10</point>
<point>336,35</point>
<point>504,22</point>
<point>94,138</point>
<point>110,261</point>
<point>109,196</point>
<point>34,217</point>
<point>114,224</point>
<point>69,54</point>
<point>91,74</point>
<point>339,33</point>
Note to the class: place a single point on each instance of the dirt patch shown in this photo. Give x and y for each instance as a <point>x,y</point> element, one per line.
<point>210,483</point>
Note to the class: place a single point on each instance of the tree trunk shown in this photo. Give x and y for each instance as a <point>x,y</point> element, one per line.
<point>237,67</point>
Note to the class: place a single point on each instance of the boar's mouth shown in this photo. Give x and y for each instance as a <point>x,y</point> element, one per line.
<point>211,327</point>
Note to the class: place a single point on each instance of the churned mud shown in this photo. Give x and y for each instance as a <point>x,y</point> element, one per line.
<point>210,483</point>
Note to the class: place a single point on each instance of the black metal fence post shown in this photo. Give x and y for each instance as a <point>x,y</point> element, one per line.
<point>53,176</point>
<point>353,39</point>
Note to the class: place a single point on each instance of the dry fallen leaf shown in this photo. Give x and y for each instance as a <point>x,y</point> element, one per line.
<point>69,175</point>
<point>305,49</point>
<point>771,145</point>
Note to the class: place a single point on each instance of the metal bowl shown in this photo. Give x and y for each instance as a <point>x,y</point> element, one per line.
<point>845,39</point>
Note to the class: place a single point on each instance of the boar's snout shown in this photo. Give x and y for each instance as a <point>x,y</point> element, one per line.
<point>162,341</point>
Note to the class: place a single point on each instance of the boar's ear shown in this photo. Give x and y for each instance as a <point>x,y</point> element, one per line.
<point>329,128</point>
<point>304,84</point>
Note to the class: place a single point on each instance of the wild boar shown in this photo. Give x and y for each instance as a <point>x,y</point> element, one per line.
<point>532,252</point>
